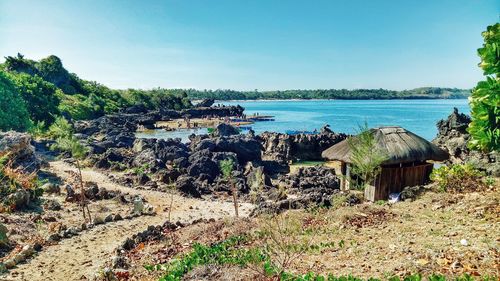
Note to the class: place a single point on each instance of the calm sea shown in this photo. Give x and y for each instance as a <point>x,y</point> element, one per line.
<point>418,116</point>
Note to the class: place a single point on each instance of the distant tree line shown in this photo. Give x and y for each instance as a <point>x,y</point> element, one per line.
<point>419,93</point>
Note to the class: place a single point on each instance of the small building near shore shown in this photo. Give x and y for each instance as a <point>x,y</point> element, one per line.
<point>406,165</point>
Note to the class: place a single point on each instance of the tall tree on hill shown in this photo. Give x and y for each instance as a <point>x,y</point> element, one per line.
<point>13,112</point>
<point>41,97</point>
<point>485,99</point>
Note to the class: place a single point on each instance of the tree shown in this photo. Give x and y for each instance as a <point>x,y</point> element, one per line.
<point>42,98</point>
<point>66,142</point>
<point>227,167</point>
<point>13,112</point>
<point>485,99</point>
<point>366,157</point>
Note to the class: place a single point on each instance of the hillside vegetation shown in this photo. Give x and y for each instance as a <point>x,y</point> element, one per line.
<point>49,90</point>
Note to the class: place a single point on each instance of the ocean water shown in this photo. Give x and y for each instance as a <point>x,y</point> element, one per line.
<point>418,116</point>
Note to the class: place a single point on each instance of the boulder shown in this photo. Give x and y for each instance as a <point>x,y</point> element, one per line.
<point>256,178</point>
<point>186,185</point>
<point>19,199</point>
<point>4,240</point>
<point>224,130</point>
<point>205,103</point>
<point>247,149</point>
<point>52,205</point>
<point>51,188</point>
<point>204,165</point>
<point>20,150</point>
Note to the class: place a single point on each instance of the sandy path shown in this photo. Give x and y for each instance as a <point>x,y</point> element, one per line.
<point>79,257</point>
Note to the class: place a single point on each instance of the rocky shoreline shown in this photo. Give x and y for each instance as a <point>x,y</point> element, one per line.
<point>261,172</point>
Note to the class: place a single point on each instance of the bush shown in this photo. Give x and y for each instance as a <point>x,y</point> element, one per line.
<point>41,97</point>
<point>13,112</point>
<point>61,128</point>
<point>485,99</point>
<point>459,178</point>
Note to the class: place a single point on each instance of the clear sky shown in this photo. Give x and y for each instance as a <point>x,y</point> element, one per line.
<point>246,45</point>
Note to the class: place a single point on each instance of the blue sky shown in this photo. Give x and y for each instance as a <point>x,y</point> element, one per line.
<point>246,45</point>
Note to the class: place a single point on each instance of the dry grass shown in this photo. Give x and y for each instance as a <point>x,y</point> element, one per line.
<point>366,240</point>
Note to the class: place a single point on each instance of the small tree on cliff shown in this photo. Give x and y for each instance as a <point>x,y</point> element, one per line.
<point>485,99</point>
<point>227,167</point>
<point>366,157</point>
<point>66,142</point>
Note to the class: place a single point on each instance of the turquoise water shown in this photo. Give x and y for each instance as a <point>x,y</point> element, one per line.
<point>418,116</point>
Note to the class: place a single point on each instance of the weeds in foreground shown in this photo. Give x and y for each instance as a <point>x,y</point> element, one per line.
<point>227,167</point>
<point>13,179</point>
<point>231,252</point>
<point>460,178</point>
<point>286,239</point>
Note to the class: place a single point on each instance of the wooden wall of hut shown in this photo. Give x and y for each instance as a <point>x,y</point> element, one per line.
<point>394,179</point>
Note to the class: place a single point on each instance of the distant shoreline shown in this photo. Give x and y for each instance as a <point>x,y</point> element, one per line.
<point>268,100</point>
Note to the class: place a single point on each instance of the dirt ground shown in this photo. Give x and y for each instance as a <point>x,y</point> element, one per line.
<point>80,257</point>
<point>439,233</point>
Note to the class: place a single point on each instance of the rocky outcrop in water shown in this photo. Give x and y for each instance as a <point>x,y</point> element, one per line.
<point>214,111</point>
<point>453,137</point>
<point>205,103</point>
<point>225,130</point>
<point>284,148</point>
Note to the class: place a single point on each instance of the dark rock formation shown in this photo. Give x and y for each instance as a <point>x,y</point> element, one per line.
<point>220,111</point>
<point>311,178</point>
<point>311,186</point>
<point>246,148</point>
<point>186,185</point>
<point>453,137</point>
<point>205,103</point>
<point>284,148</point>
<point>225,130</point>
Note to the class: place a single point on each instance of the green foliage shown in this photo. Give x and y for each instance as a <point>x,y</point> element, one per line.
<point>366,157</point>
<point>70,145</point>
<point>38,130</point>
<point>62,131</point>
<point>458,178</point>
<point>141,170</point>
<point>223,253</point>
<point>13,112</point>
<point>49,90</point>
<point>41,97</point>
<point>232,252</point>
<point>226,167</point>
<point>61,128</point>
<point>485,99</point>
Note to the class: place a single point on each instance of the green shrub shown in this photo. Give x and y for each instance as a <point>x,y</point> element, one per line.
<point>41,97</point>
<point>231,252</point>
<point>61,128</point>
<point>485,99</point>
<point>458,178</point>
<point>13,112</point>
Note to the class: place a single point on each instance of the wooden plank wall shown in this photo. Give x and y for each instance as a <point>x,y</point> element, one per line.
<point>393,180</point>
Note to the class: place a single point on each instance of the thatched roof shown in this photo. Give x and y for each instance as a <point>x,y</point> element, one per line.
<point>400,145</point>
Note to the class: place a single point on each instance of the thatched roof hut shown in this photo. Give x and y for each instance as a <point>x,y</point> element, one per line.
<point>406,163</point>
<point>400,145</point>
